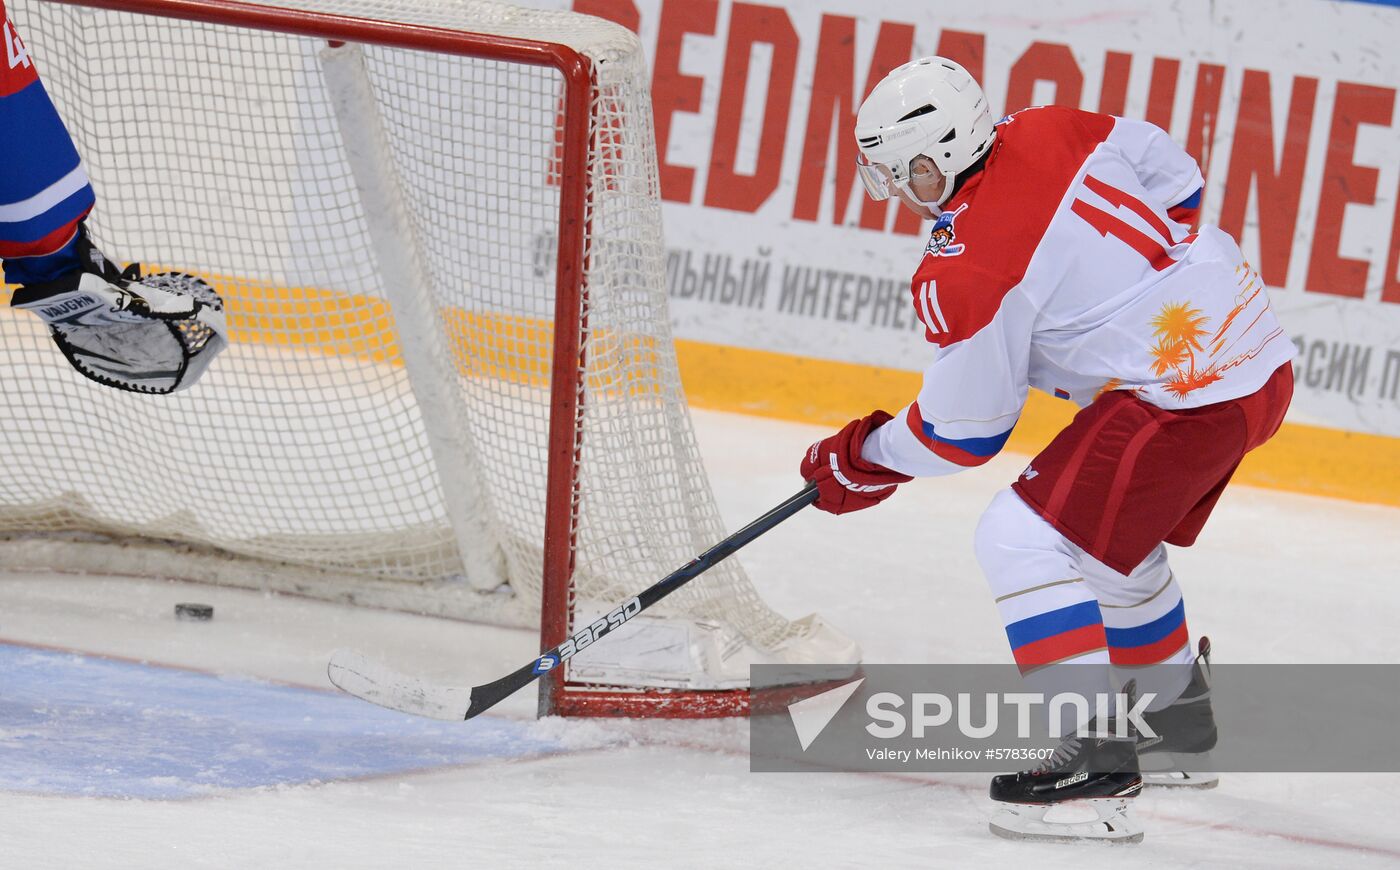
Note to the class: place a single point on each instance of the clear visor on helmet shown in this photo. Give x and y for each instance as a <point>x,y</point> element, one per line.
<point>875,177</point>
<point>878,178</point>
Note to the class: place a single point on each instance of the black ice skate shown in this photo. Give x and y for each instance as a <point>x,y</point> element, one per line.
<point>1086,784</point>
<point>1185,734</point>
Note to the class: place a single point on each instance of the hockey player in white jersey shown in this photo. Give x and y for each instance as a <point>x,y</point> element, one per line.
<point>152,334</point>
<point>1062,258</point>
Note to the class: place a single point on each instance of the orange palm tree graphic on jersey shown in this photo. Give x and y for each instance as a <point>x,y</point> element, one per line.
<point>1190,356</point>
<point>1179,329</point>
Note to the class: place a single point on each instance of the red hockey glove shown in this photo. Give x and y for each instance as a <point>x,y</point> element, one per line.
<point>845,482</point>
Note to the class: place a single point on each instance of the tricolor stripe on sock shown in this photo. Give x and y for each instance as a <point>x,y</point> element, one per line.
<point>1056,635</point>
<point>1151,642</point>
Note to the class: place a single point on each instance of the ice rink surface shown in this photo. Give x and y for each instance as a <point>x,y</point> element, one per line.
<point>128,739</point>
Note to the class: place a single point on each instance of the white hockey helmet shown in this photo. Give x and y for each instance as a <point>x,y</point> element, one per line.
<point>931,107</point>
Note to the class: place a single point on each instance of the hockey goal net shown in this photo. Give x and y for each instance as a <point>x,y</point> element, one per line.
<point>451,386</point>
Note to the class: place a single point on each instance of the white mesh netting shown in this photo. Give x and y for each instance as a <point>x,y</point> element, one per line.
<point>303,461</point>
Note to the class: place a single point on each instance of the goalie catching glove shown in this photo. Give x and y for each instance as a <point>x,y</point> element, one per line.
<point>155,334</point>
<point>846,482</point>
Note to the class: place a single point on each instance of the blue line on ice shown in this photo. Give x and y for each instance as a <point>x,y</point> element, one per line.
<point>75,725</point>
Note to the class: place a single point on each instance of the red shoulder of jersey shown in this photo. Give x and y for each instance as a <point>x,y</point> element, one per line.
<point>981,245</point>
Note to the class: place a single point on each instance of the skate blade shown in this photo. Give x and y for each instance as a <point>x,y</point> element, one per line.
<point>1180,779</point>
<point>1178,770</point>
<point>1112,823</point>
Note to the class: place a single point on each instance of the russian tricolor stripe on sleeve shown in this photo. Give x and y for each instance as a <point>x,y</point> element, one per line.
<point>967,452</point>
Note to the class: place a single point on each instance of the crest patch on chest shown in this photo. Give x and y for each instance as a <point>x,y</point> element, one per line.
<point>941,239</point>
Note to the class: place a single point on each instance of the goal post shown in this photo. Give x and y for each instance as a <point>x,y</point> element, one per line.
<point>451,386</point>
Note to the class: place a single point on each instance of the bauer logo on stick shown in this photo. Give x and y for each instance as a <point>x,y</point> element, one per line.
<point>546,662</point>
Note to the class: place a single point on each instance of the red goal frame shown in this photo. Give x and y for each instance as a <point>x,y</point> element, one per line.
<point>557,696</point>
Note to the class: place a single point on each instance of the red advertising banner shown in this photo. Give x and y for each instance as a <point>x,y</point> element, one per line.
<point>1289,106</point>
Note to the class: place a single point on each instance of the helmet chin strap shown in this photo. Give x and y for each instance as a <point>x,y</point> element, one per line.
<point>934,209</point>
<point>950,183</point>
<point>931,209</point>
<point>933,206</point>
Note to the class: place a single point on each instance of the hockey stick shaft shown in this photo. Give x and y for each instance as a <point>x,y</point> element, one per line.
<point>487,695</point>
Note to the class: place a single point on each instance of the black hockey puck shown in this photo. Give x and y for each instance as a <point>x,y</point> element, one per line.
<point>194,612</point>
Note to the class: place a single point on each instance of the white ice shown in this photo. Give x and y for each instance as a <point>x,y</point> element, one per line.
<point>1275,578</point>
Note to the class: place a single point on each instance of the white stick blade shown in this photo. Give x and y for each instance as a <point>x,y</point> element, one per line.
<point>356,674</point>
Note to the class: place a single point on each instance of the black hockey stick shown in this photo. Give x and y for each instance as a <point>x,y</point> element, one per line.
<point>364,678</point>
